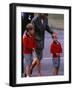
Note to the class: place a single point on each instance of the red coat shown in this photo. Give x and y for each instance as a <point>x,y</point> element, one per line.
<point>56,48</point>
<point>28,44</point>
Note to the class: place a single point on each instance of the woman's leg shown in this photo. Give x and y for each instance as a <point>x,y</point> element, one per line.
<point>39,67</point>
<point>34,63</point>
<point>37,61</point>
<point>39,53</point>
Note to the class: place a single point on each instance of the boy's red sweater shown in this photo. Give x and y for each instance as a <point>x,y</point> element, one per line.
<point>56,48</point>
<point>28,44</point>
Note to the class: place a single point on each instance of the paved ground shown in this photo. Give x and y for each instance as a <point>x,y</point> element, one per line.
<point>46,62</point>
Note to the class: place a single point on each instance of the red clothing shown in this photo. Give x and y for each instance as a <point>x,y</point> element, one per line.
<point>56,48</point>
<point>28,44</point>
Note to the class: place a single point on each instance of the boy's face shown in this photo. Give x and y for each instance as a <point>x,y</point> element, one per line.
<point>32,31</point>
<point>55,38</point>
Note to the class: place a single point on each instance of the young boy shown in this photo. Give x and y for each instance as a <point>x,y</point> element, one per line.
<point>56,51</point>
<point>29,46</point>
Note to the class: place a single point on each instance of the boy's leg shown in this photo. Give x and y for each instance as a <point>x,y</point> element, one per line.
<point>28,70</point>
<point>57,71</point>
<point>56,65</point>
<point>54,71</point>
<point>24,66</point>
<point>24,74</point>
<point>27,63</point>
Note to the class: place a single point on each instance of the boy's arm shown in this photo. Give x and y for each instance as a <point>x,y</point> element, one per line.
<point>51,49</point>
<point>25,44</point>
<point>59,54</point>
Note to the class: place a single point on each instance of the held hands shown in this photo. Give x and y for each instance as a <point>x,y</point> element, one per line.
<point>54,34</point>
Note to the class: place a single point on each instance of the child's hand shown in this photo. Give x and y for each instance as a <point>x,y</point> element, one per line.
<point>33,49</point>
<point>58,54</point>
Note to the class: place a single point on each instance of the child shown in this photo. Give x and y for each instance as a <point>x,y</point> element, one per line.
<point>56,51</point>
<point>29,46</point>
